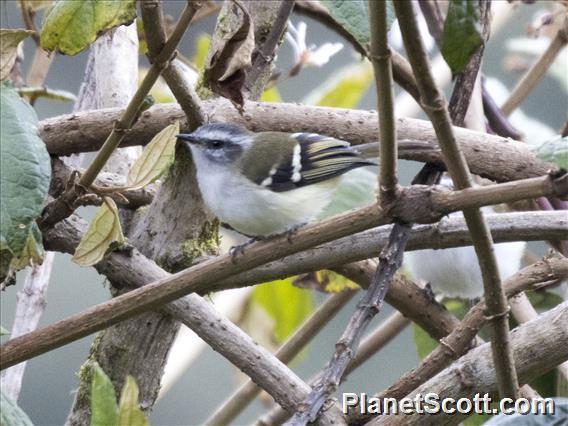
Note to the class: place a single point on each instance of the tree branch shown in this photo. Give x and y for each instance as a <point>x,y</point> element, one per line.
<point>489,156</point>
<point>380,55</point>
<point>64,205</point>
<point>434,105</point>
<point>415,205</point>
<point>401,70</point>
<point>460,340</point>
<point>538,346</point>
<point>370,305</point>
<point>246,393</point>
<point>535,73</point>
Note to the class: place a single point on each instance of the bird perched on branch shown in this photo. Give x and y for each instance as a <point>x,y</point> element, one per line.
<point>267,183</point>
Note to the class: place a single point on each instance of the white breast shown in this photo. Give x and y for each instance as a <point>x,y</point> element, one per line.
<point>257,211</point>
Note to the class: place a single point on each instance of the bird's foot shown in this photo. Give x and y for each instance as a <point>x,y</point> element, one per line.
<point>429,293</point>
<point>240,249</point>
<point>290,233</point>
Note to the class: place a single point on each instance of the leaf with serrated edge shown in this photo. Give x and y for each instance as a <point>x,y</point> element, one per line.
<point>155,159</point>
<point>129,414</point>
<point>70,25</point>
<point>104,409</point>
<point>9,41</point>
<point>103,231</point>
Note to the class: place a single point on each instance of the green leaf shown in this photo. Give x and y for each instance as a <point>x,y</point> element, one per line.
<point>129,414</point>
<point>286,304</point>
<point>25,172</point>
<point>155,159</point>
<point>554,151</point>
<point>9,41</point>
<point>353,15</point>
<point>103,231</point>
<point>11,414</point>
<point>422,340</point>
<point>345,88</point>
<point>70,25</point>
<point>462,34</point>
<point>3,331</point>
<point>104,409</point>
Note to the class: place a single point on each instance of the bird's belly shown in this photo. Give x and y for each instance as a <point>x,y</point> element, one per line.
<point>256,211</point>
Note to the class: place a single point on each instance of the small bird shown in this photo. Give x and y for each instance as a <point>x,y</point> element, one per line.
<point>267,183</point>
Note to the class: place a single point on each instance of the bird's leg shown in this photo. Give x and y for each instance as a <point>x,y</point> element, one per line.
<point>240,249</point>
<point>290,233</point>
<point>429,292</point>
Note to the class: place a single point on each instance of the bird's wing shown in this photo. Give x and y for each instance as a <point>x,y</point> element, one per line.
<point>315,158</point>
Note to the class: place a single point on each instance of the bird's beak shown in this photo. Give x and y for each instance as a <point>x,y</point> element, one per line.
<point>187,137</point>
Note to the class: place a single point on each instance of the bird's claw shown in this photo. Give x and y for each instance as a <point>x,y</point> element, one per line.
<point>290,233</point>
<point>240,249</point>
<point>429,293</point>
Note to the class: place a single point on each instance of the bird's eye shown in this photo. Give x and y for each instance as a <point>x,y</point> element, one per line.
<point>216,144</point>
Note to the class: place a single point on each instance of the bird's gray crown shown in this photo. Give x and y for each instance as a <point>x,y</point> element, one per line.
<point>222,133</point>
<point>219,142</point>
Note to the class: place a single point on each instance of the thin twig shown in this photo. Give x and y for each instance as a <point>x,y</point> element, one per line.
<point>435,107</point>
<point>390,260</point>
<point>535,73</point>
<point>64,205</point>
<point>381,58</point>
<point>246,393</point>
<point>465,81</point>
<point>153,19</point>
<point>495,117</point>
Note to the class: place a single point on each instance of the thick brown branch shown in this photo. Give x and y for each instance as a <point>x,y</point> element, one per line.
<point>489,156</point>
<point>538,346</point>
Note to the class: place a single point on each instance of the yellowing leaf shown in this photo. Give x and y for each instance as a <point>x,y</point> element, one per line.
<point>155,158</point>
<point>129,414</point>
<point>104,230</point>
<point>271,95</point>
<point>9,41</point>
<point>286,304</point>
<point>70,25</point>
<point>201,48</point>
<point>345,88</point>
